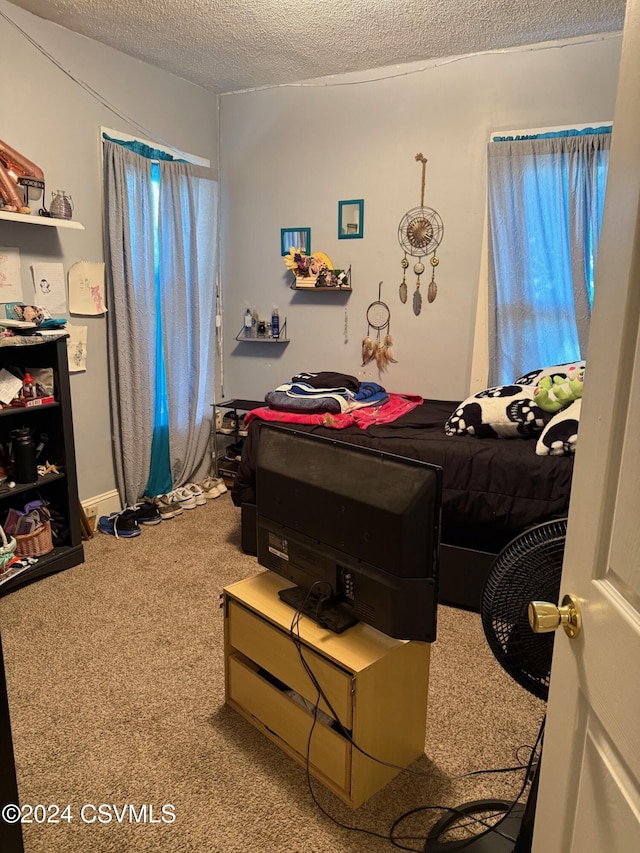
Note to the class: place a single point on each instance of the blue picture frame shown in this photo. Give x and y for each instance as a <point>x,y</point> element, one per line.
<point>296,238</point>
<point>351,219</point>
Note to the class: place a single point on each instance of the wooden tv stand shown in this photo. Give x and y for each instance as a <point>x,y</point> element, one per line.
<point>377,687</point>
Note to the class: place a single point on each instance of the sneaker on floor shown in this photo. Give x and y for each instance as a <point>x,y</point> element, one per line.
<point>122,525</point>
<point>168,506</point>
<point>213,488</point>
<point>221,485</point>
<point>186,499</point>
<point>147,512</point>
<point>197,492</point>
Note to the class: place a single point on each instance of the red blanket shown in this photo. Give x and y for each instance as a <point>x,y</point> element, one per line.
<point>397,404</point>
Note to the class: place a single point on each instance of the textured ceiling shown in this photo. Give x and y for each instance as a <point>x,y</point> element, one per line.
<point>227,45</point>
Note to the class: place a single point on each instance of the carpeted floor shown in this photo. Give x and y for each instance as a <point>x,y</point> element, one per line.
<point>116,689</point>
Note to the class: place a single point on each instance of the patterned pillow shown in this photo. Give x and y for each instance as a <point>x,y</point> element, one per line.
<point>560,436</point>
<point>507,411</point>
<point>569,371</point>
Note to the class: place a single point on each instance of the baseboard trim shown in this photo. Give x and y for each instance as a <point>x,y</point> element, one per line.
<point>102,504</point>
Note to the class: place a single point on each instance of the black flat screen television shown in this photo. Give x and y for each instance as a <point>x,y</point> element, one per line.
<point>355,529</point>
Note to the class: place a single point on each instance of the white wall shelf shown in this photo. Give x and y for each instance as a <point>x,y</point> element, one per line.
<point>41,220</point>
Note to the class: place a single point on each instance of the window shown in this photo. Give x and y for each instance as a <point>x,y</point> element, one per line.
<point>161,217</point>
<point>545,197</point>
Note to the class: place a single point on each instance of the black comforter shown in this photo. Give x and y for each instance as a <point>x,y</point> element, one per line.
<point>493,488</point>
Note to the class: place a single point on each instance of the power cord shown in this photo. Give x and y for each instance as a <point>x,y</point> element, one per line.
<point>534,757</point>
<point>294,632</point>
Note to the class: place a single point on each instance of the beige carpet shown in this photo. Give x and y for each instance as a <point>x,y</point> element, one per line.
<point>116,690</point>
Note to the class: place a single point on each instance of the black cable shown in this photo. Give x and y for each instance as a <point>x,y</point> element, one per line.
<point>297,640</point>
<point>461,845</point>
<point>347,734</point>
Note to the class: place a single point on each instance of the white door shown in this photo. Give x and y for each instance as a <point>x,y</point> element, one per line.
<point>589,798</point>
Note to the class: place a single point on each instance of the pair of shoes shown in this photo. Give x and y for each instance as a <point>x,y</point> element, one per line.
<point>122,525</point>
<point>196,490</point>
<point>229,423</point>
<point>242,430</point>
<point>213,488</point>
<point>189,496</point>
<point>168,506</point>
<point>147,512</point>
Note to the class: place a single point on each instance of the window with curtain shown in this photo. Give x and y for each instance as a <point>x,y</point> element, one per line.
<point>161,227</point>
<point>545,204</point>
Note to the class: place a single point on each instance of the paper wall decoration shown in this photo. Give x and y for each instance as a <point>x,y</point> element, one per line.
<point>86,288</point>
<point>76,348</point>
<point>49,287</point>
<point>10,280</point>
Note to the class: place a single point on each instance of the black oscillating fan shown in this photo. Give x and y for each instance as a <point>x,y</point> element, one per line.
<point>527,569</point>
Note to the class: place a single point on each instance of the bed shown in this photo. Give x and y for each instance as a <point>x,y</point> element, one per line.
<point>493,488</point>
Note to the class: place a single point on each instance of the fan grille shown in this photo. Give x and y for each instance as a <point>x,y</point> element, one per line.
<point>527,569</point>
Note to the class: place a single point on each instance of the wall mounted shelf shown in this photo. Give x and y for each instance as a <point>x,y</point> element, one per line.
<point>323,289</point>
<point>308,283</point>
<point>264,339</point>
<point>41,220</point>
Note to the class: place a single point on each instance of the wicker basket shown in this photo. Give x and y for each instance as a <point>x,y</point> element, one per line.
<point>35,544</point>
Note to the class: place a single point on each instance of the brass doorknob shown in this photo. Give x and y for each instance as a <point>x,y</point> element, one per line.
<point>545,616</point>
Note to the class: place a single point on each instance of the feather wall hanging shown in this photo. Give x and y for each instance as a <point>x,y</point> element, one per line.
<point>420,233</point>
<point>378,347</point>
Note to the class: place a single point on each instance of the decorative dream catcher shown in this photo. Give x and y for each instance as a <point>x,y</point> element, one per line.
<point>378,348</point>
<point>420,233</point>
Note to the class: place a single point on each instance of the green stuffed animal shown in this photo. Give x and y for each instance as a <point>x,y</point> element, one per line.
<point>555,392</point>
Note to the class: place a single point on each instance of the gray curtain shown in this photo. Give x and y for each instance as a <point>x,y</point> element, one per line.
<point>188,257</point>
<point>183,285</point>
<point>545,200</point>
<point>131,318</point>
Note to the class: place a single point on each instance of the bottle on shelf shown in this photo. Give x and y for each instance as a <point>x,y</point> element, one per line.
<point>255,321</point>
<point>275,323</point>
<point>25,466</point>
<point>248,323</point>
<point>28,388</point>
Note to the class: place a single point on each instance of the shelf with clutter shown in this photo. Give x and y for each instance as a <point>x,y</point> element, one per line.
<point>40,220</point>
<point>37,461</point>
<point>21,179</point>
<point>316,272</point>
<point>257,330</point>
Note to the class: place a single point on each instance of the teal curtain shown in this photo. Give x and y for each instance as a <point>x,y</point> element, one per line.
<point>160,480</point>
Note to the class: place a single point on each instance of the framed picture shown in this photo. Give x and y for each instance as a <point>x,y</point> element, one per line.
<point>295,238</point>
<point>351,219</point>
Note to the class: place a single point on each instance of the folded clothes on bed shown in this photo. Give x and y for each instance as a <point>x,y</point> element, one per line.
<point>328,379</point>
<point>302,397</point>
<point>280,400</point>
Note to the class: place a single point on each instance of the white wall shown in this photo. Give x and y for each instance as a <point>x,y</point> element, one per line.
<point>55,123</point>
<point>288,155</point>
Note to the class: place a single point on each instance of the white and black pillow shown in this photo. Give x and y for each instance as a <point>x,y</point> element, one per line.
<point>569,371</point>
<point>560,436</point>
<point>504,411</point>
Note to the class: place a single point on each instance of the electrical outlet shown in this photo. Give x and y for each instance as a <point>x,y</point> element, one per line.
<point>91,511</point>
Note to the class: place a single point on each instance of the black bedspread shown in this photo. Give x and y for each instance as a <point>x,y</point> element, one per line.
<point>493,488</point>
